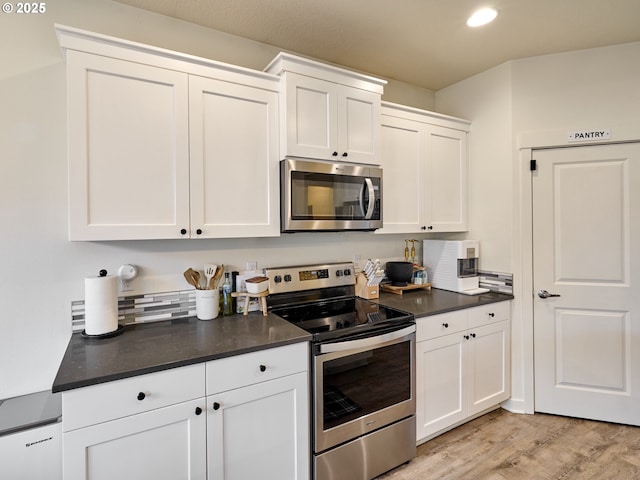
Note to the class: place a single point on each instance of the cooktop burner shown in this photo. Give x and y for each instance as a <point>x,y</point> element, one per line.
<point>320,299</point>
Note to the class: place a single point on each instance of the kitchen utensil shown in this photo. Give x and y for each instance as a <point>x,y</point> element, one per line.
<point>218,276</point>
<point>192,277</point>
<point>210,270</point>
<point>399,273</point>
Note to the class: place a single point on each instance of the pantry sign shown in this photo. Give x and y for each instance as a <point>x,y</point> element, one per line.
<point>590,135</point>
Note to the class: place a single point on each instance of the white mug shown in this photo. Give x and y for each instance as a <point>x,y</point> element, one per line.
<point>207,304</point>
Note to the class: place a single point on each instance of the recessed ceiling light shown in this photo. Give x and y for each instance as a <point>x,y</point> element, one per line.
<point>482,17</point>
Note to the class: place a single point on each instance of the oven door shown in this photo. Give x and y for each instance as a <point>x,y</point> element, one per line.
<point>330,196</point>
<point>362,385</point>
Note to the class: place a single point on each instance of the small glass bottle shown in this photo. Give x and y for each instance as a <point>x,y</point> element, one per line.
<point>227,304</point>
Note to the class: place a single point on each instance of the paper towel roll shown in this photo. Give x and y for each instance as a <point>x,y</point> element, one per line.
<point>100,304</point>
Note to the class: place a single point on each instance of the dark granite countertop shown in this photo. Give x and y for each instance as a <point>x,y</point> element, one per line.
<point>152,347</point>
<point>422,303</point>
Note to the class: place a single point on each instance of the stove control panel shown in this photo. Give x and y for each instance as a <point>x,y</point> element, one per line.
<point>309,277</point>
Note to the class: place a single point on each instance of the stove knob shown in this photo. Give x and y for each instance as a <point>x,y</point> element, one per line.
<point>347,272</point>
<point>287,278</point>
<point>277,279</point>
<point>338,273</point>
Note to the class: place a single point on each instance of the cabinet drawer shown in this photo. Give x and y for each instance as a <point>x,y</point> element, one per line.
<point>121,398</point>
<point>241,370</point>
<point>438,325</point>
<point>491,313</point>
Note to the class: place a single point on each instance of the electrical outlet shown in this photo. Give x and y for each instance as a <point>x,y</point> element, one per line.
<point>126,285</point>
<point>252,265</point>
<point>357,262</point>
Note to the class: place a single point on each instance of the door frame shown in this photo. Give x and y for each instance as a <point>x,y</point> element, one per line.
<point>522,248</point>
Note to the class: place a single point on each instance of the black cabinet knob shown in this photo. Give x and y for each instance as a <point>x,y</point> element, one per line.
<point>183,231</point>
<point>216,406</point>
<point>473,335</point>
<point>423,227</point>
<point>430,227</point>
<point>492,315</point>
<point>334,154</point>
<point>141,396</point>
<point>198,410</point>
<point>445,325</point>
<point>345,154</point>
<point>199,231</point>
<point>263,368</point>
<point>466,337</point>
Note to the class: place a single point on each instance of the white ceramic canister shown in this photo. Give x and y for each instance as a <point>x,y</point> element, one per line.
<point>207,304</point>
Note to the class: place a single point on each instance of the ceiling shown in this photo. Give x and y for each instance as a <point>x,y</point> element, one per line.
<point>420,42</point>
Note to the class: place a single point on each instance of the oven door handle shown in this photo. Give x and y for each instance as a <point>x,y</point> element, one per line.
<point>366,342</point>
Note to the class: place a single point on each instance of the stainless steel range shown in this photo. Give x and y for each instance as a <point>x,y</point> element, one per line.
<point>363,378</point>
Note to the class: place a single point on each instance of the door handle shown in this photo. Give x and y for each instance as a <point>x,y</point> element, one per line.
<point>545,294</point>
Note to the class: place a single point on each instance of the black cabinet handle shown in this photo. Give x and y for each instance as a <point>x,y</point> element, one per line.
<point>198,410</point>
<point>423,227</point>
<point>216,406</point>
<point>183,231</point>
<point>345,154</point>
<point>141,396</point>
<point>466,337</point>
<point>492,315</point>
<point>199,231</point>
<point>445,325</point>
<point>473,335</point>
<point>430,227</point>
<point>263,368</point>
<point>334,154</point>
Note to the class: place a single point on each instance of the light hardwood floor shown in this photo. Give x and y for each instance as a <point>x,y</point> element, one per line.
<point>506,446</point>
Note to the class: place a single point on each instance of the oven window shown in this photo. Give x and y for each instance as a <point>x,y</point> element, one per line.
<point>363,383</point>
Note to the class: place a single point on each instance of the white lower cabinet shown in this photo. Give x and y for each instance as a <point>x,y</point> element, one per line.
<point>258,415</point>
<point>147,427</point>
<point>259,431</point>
<point>253,422</point>
<point>168,443</point>
<point>463,366</point>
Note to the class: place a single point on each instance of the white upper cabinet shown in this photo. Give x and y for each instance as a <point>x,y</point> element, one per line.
<point>424,159</point>
<point>128,149</point>
<point>234,159</point>
<point>329,113</point>
<point>164,145</point>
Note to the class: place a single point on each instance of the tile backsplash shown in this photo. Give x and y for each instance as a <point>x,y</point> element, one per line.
<point>149,307</point>
<point>496,281</point>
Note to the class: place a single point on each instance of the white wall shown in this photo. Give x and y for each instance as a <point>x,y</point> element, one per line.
<point>537,97</point>
<point>41,271</point>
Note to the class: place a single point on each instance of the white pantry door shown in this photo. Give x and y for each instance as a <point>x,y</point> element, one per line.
<point>586,249</point>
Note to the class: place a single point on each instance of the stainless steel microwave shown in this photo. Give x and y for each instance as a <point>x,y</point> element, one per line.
<point>329,196</point>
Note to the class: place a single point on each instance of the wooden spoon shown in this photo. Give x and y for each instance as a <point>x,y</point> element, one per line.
<point>192,277</point>
<point>215,281</point>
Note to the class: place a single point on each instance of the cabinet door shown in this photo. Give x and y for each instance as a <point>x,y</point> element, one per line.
<point>311,117</point>
<point>358,125</point>
<point>128,150</point>
<point>164,444</point>
<point>445,202</point>
<point>490,374</point>
<point>260,431</point>
<point>440,384</point>
<point>402,160</point>
<point>234,160</point>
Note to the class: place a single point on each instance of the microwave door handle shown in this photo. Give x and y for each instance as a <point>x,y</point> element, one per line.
<point>372,198</point>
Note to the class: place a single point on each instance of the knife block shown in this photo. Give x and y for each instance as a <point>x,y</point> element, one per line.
<point>366,291</point>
